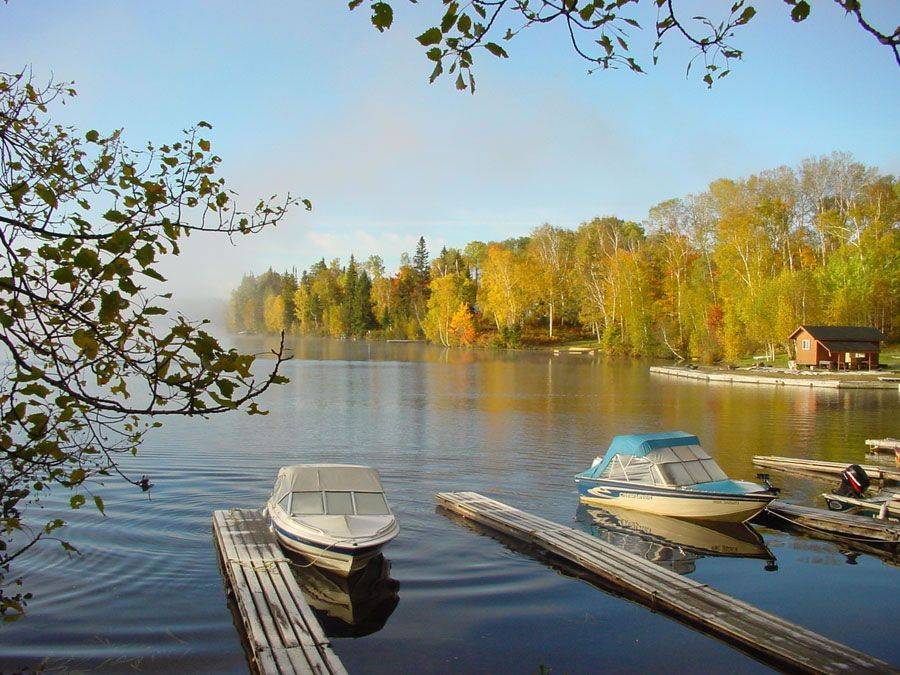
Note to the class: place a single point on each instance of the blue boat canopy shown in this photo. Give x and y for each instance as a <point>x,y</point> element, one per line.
<point>640,445</point>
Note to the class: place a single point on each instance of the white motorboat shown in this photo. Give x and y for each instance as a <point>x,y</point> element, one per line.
<point>335,515</point>
<point>669,474</point>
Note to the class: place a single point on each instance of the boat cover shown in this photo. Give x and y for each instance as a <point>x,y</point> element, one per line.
<point>640,445</point>
<point>316,477</point>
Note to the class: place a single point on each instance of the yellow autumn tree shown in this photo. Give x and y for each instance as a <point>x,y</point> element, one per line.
<point>502,295</point>
<point>447,293</point>
<point>273,313</point>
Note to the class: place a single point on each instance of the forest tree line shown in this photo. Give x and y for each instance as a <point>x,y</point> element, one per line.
<point>717,275</point>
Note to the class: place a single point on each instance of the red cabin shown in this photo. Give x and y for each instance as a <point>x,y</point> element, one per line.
<point>837,347</point>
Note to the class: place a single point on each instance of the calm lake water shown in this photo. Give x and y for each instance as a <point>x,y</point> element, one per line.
<point>146,593</point>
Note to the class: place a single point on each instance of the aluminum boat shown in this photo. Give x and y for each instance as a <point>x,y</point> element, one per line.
<point>669,474</point>
<point>335,515</point>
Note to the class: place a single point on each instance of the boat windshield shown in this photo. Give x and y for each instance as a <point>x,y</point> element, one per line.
<point>674,466</point>
<point>686,465</point>
<point>336,503</point>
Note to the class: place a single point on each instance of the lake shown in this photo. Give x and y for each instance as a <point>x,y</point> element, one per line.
<point>146,594</point>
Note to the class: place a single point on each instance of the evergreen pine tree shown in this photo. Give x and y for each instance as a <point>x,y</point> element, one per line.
<point>420,261</point>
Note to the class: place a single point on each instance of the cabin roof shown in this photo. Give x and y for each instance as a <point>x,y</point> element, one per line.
<point>842,333</point>
<point>842,346</point>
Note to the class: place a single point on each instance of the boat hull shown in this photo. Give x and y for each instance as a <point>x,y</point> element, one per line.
<point>341,559</point>
<point>718,507</point>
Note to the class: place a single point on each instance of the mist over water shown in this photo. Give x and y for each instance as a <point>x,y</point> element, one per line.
<point>147,594</point>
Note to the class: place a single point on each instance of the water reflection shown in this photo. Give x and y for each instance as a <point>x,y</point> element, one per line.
<point>352,606</point>
<point>671,542</point>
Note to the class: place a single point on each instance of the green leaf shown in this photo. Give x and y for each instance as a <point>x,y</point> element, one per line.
<point>17,192</point>
<point>86,343</point>
<point>114,216</point>
<point>382,16</point>
<point>110,304</point>
<point>47,195</point>
<point>98,502</point>
<point>800,11</point>
<point>464,24</point>
<point>449,18</point>
<point>432,36</point>
<point>434,54</point>
<point>226,387</point>
<point>77,501</point>
<point>460,82</point>
<point>204,144</point>
<point>92,136</point>
<point>63,275</point>
<point>748,14</point>
<point>145,255</point>
<point>496,50</point>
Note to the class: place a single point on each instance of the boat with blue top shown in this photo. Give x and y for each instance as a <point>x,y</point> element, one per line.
<point>669,474</point>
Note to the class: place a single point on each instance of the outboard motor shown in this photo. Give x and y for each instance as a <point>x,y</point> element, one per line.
<point>854,482</point>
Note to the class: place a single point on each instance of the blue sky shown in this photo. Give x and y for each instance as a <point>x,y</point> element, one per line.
<point>307,97</point>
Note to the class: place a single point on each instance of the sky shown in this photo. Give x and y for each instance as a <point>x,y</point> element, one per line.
<point>307,97</point>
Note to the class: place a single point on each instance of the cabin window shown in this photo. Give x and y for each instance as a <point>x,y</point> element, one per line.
<point>804,344</point>
<point>307,504</point>
<point>338,504</point>
<point>285,503</point>
<point>370,504</point>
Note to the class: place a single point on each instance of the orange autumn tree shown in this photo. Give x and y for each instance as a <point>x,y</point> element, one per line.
<point>462,327</point>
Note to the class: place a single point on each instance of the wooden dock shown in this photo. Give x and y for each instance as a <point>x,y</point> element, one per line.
<point>821,468</point>
<point>837,523</point>
<point>282,633</point>
<point>759,633</point>
<point>774,379</point>
<point>888,445</point>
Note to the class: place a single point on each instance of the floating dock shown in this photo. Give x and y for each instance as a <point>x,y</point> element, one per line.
<point>282,633</point>
<point>733,377</point>
<point>575,350</point>
<point>759,633</point>
<point>837,523</point>
<point>821,468</point>
<point>887,445</point>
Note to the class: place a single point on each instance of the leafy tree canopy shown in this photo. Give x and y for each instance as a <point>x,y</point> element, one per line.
<point>598,31</point>
<point>90,358</point>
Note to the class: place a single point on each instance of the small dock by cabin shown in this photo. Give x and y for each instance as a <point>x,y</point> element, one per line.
<point>766,636</point>
<point>281,633</point>
<point>775,377</point>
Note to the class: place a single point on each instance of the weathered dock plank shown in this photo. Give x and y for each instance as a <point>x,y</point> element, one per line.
<point>837,523</point>
<point>818,467</point>
<point>769,637</point>
<point>282,632</point>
